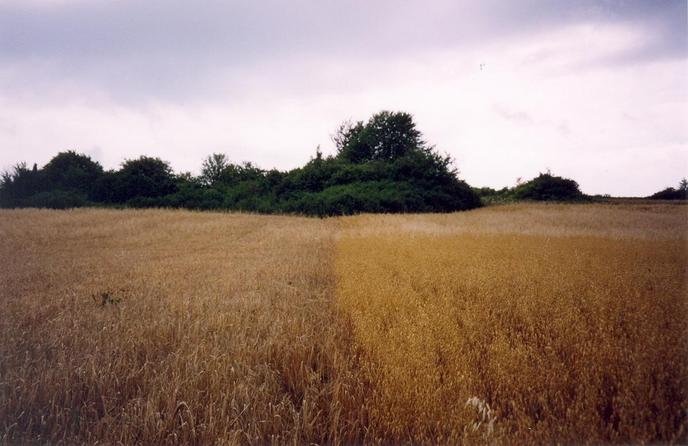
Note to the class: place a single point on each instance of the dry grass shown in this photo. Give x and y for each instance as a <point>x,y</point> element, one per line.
<point>515,324</point>
<point>567,323</point>
<point>225,332</point>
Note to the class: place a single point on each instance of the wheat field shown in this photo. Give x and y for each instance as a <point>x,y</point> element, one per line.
<point>520,324</point>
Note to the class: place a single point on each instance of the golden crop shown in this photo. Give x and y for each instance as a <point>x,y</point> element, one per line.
<point>218,329</point>
<point>514,324</point>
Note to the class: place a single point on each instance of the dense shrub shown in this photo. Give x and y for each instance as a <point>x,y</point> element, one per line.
<point>544,187</point>
<point>71,171</point>
<point>490,196</point>
<point>19,184</point>
<point>370,196</point>
<point>382,165</point>
<point>673,194</point>
<point>547,187</point>
<point>670,194</point>
<point>144,177</point>
<point>57,199</point>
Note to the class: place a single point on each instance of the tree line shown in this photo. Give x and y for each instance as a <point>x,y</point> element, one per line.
<point>670,193</point>
<point>381,165</point>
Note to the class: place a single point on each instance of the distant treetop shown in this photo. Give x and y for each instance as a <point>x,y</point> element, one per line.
<point>386,136</point>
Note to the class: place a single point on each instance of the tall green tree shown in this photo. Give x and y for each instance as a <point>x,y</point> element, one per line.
<point>213,168</point>
<point>72,171</point>
<point>19,184</point>
<point>385,137</point>
<point>144,177</point>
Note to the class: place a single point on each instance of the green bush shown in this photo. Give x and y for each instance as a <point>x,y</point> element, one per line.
<point>673,194</point>
<point>670,194</point>
<point>71,171</point>
<point>382,165</point>
<point>57,199</point>
<point>19,184</point>
<point>547,187</point>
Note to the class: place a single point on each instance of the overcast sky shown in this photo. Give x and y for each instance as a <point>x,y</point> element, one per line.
<point>592,90</point>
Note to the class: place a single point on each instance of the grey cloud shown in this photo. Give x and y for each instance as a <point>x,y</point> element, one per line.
<point>183,49</point>
<point>249,29</point>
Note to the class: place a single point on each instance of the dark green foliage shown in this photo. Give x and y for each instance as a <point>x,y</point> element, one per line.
<point>23,187</point>
<point>670,194</point>
<point>18,185</point>
<point>490,196</point>
<point>213,168</point>
<point>544,187</point>
<point>137,181</point>
<point>382,165</point>
<point>71,171</point>
<point>547,187</point>
<point>673,194</point>
<point>370,196</point>
<point>57,199</point>
<point>385,137</point>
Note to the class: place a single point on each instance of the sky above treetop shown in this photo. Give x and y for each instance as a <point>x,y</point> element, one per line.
<point>592,90</point>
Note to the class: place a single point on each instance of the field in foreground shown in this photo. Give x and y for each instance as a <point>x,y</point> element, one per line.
<point>514,324</point>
